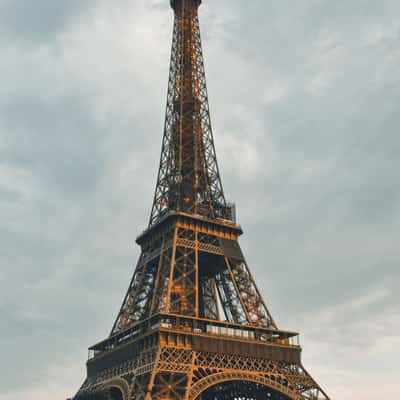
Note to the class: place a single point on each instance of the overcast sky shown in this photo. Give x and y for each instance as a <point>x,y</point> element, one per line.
<point>305,108</point>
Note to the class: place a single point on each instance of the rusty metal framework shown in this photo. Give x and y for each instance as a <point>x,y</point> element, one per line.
<point>193,324</point>
<point>188,178</point>
<point>193,267</point>
<point>174,357</point>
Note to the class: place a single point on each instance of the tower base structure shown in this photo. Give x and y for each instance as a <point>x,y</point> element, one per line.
<point>171,356</point>
<point>174,357</point>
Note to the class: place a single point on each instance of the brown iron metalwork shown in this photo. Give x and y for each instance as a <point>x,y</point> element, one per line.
<point>193,324</point>
<point>188,178</point>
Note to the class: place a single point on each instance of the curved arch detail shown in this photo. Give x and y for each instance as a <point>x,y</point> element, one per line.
<point>120,384</point>
<point>271,381</point>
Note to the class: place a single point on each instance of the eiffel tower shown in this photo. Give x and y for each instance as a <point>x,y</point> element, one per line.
<point>193,324</point>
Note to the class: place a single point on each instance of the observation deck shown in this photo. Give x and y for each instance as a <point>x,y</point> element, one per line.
<point>197,334</point>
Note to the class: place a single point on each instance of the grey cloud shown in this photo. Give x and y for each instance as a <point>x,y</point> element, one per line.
<point>54,137</point>
<point>348,187</point>
<point>38,21</point>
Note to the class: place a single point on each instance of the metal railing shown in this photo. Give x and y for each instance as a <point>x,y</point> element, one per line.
<point>196,326</point>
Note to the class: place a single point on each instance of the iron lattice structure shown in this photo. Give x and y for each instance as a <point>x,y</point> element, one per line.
<point>188,178</point>
<point>193,324</point>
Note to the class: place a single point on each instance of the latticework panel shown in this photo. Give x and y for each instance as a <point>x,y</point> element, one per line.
<point>206,369</point>
<point>169,372</point>
<point>254,306</point>
<point>188,272</point>
<point>183,286</point>
<point>143,296</point>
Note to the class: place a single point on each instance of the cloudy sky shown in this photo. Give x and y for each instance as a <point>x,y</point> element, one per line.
<point>305,106</point>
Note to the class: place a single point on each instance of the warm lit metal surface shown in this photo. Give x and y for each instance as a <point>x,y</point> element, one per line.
<point>193,324</point>
<point>188,178</point>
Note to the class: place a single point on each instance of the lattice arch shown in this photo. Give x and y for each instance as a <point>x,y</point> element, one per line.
<point>119,384</point>
<point>224,377</point>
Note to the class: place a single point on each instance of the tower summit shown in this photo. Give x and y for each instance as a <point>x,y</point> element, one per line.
<point>188,178</point>
<point>193,324</point>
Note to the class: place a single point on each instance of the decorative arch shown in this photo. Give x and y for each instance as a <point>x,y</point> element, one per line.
<point>275,382</point>
<point>120,384</point>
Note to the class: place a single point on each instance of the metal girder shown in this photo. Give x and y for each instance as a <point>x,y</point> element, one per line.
<point>179,372</point>
<point>209,300</point>
<point>256,311</point>
<point>188,274</point>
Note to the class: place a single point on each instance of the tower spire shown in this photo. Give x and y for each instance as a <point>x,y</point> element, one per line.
<point>180,6</point>
<point>188,178</point>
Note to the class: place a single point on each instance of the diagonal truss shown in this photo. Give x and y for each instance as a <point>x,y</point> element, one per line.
<point>189,269</point>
